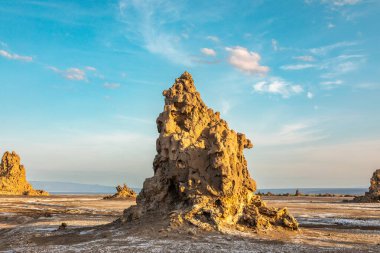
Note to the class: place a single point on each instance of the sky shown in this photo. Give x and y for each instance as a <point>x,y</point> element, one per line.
<point>81,85</point>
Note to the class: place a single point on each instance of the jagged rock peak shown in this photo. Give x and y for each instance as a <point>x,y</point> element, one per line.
<point>200,172</point>
<point>13,177</point>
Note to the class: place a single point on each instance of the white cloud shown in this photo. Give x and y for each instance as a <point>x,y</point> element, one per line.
<point>277,86</point>
<point>111,85</point>
<point>307,58</point>
<point>246,61</point>
<point>17,57</point>
<point>75,74</point>
<point>213,38</point>
<point>331,84</point>
<point>208,51</point>
<point>297,66</point>
<point>310,95</point>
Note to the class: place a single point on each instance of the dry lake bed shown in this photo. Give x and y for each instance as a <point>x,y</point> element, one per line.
<point>30,224</point>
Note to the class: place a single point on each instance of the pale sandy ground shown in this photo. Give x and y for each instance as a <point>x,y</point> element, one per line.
<point>29,224</point>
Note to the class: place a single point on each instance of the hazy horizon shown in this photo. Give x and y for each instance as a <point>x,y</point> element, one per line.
<point>81,85</point>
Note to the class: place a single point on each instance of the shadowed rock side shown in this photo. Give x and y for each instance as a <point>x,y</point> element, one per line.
<point>200,173</point>
<point>122,192</point>
<point>13,178</point>
<point>373,194</point>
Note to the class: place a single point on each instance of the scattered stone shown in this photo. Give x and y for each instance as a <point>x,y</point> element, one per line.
<point>13,177</point>
<point>373,194</point>
<point>200,172</point>
<point>122,192</point>
<point>63,226</point>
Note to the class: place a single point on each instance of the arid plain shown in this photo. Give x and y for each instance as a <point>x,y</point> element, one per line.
<point>30,224</point>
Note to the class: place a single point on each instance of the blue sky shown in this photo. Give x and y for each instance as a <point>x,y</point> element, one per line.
<point>81,85</point>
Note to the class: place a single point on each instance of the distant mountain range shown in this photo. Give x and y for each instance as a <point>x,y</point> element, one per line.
<point>77,188</point>
<point>74,188</point>
<point>350,191</point>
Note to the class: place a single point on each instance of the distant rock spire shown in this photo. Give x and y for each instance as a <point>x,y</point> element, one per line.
<point>13,178</point>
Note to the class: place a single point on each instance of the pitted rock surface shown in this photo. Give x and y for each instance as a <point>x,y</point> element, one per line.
<point>122,192</point>
<point>200,172</point>
<point>373,194</point>
<point>13,178</point>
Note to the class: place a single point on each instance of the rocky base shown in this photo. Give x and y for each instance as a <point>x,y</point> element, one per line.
<point>255,217</point>
<point>368,198</point>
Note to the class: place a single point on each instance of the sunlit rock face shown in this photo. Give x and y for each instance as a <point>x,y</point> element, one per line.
<point>122,192</point>
<point>13,178</point>
<point>200,172</point>
<point>373,194</point>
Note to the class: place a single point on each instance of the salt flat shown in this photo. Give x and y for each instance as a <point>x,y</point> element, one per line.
<point>29,224</point>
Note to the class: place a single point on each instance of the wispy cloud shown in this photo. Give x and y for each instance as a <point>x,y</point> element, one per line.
<point>340,65</point>
<point>111,86</point>
<point>75,74</point>
<point>213,38</point>
<point>147,22</point>
<point>226,106</point>
<point>138,120</point>
<point>297,66</point>
<point>367,86</point>
<point>246,61</point>
<point>12,56</point>
<point>341,2</point>
<point>291,134</point>
<point>330,26</point>
<point>90,68</point>
<point>208,51</point>
<point>310,95</point>
<point>278,86</point>
<point>326,49</point>
<point>331,84</point>
<point>275,45</point>
<point>306,58</point>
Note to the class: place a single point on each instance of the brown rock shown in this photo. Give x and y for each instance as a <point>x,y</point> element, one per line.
<point>13,178</point>
<point>200,172</point>
<point>122,192</point>
<point>373,194</point>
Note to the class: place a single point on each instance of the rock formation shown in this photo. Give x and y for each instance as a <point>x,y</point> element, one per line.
<point>373,194</point>
<point>13,178</point>
<point>122,192</point>
<point>200,172</point>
